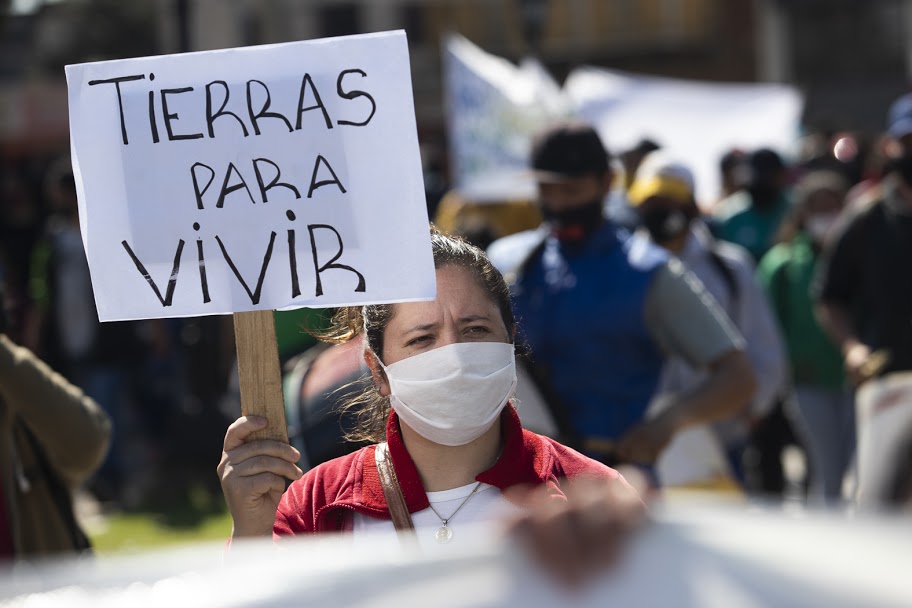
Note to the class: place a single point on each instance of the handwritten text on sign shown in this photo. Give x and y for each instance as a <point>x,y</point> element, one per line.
<point>255,178</point>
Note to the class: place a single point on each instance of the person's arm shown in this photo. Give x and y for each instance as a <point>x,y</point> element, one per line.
<point>687,322</point>
<point>73,430</point>
<point>860,364</point>
<point>836,285</point>
<point>729,386</point>
<point>836,323</point>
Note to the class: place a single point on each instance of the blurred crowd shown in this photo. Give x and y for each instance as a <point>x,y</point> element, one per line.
<point>731,345</point>
<point>800,271</point>
<point>805,253</point>
<point>788,253</point>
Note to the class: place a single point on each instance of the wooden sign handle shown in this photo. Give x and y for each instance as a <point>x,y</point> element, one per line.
<point>260,376</point>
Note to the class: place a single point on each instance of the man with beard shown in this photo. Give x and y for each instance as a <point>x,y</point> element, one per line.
<point>864,291</point>
<point>751,217</point>
<point>601,310</point>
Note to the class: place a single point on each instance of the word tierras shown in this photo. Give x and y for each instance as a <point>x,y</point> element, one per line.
<point>258,105</point>
<point>255,292</point>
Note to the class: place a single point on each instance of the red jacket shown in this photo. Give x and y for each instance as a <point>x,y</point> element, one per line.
<point>326,498</point>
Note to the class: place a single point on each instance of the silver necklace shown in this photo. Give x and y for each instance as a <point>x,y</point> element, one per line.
<point>443,533</point>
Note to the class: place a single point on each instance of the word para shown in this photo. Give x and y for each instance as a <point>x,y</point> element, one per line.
<point>235,181</point>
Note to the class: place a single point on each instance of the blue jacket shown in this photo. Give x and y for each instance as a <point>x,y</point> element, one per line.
<point>581,310</point>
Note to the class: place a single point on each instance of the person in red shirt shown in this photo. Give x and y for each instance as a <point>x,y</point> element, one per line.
<point>438,405</point>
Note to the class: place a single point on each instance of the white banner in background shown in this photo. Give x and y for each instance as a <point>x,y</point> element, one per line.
<point>255,178</point>
<point>493,108</point>
<point>696,122</point>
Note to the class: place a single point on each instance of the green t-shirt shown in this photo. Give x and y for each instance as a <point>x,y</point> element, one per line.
<point>786,272</point>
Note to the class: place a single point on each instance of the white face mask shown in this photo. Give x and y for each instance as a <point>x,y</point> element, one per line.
<point>819,225</point>
<point>451,395</point>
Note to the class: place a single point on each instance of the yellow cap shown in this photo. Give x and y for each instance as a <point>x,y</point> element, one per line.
<point>666,186</point>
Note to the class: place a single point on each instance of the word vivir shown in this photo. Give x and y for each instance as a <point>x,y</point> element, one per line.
<point>258,105</point>
<point>254,293</point>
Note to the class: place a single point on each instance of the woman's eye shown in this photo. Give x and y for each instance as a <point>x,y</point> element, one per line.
<point>478,329</point>
<point>417,340</point>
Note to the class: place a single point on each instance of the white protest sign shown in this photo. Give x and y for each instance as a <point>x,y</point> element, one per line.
<point>255,178</point>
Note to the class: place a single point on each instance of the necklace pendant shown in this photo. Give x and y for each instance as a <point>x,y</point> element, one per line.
<point>443,534</point>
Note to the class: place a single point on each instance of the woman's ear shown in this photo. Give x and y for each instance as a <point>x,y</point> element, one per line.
<point>378,376</point>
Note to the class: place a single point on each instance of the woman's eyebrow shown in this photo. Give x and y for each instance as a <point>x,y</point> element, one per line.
<point>471,318</point>
<point>425,327</point>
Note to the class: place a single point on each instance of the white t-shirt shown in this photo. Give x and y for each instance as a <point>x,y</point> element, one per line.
<point>487,505</point>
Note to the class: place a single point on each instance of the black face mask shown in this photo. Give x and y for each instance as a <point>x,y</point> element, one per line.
<point>902,166</point>
<point>665,223</point>
<point>574,225</point>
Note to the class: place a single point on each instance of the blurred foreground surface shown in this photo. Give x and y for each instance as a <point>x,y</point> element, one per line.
<point>691,556</point>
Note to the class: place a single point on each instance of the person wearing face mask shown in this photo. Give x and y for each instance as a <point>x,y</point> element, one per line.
<point>863,294</point>
<point>663,196</point>
<point>822,405</point>
<point>751,216</point>
<point>447,448</point>
<point>602,309</point>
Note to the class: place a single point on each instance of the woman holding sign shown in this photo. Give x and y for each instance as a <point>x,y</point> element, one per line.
<point>450,449</point>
